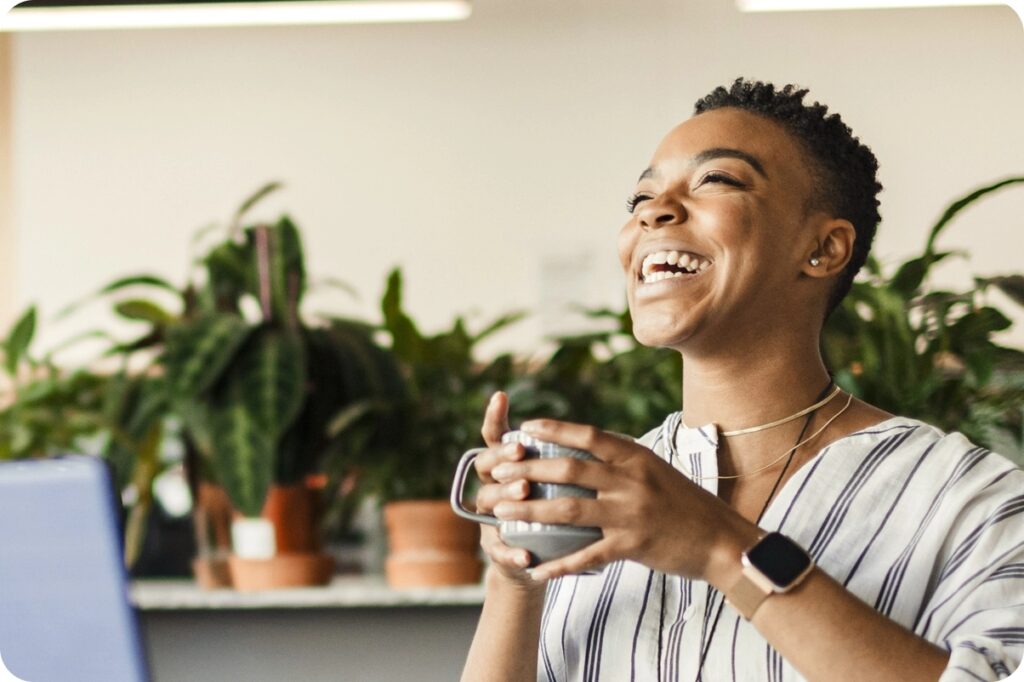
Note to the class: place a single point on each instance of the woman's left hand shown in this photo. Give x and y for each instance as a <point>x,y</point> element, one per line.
<point>648,511</point>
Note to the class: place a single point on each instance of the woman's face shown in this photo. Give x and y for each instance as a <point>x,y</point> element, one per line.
<point>718,233</point>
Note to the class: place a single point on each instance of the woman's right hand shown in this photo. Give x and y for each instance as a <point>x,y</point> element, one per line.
<point>510,563</point>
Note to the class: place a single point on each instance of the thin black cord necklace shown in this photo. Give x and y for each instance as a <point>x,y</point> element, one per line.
<point>706,644</point>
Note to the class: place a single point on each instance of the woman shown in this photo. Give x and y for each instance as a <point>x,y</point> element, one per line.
<point>900,554</point>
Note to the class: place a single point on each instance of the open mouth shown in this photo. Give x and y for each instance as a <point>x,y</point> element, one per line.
<point>671,264</point>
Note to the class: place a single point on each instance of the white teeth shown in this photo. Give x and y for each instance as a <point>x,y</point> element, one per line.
<point>683,260</point>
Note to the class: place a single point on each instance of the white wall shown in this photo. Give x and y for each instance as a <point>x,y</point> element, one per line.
<point>475,153</point>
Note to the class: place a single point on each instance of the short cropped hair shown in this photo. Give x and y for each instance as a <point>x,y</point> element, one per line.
<point>843,169</point>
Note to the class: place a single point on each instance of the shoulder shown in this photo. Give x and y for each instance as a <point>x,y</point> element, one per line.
<point>936,464</point>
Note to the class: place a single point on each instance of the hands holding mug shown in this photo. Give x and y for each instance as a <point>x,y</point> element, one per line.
<point>646,510</point>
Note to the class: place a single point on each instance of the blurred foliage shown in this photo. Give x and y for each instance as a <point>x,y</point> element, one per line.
<point>422,436</point>
<point>929,353</point>
<point>254,393</point>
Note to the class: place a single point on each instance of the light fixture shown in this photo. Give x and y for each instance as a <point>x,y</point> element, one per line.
<point>52,15</point>
<point>791,5</point>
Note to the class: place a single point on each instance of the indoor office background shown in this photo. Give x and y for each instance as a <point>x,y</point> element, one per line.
<point>489,158</point>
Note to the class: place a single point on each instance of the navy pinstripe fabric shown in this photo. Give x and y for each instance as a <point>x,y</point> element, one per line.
<point>926,526</point>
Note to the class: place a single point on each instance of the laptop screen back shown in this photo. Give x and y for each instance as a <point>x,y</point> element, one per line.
<point>64,610</point>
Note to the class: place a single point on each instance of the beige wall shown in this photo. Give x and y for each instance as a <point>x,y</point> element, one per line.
<point>7,243</point>
<point>491,158</point>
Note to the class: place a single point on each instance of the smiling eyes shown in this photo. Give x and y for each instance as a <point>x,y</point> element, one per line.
<point>714,177</point>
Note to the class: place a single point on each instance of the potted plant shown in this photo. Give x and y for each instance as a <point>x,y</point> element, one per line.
<point>411,472</point>
<point>253,386</point>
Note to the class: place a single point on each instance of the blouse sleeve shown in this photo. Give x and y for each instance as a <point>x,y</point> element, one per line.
<point>976,605</point>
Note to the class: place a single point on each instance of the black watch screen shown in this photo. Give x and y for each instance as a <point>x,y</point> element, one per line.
<point>780,559</point>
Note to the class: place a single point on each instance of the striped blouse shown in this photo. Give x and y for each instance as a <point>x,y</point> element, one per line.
<point>924,526</point>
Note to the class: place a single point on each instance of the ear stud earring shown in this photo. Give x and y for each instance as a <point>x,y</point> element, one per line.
<point>815,261</point>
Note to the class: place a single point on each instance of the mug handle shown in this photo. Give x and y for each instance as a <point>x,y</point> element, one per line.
<point>458,487</point>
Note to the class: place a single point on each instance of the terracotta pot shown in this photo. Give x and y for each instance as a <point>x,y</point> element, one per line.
<point>430,546</point>
<point>292,510</point>
<point>211,573</point>
<point>281,571</point>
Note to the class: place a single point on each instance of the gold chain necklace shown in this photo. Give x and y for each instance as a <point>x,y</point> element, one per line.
<point>805,441</point>
<point>779,422</point>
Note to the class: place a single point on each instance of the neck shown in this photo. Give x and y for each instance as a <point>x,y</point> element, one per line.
<point>765,383</point>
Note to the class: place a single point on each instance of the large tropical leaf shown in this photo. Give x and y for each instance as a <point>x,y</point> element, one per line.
<point>271,372</point>
<point>243,452</point>
<point>197,352</point>
<point>280,277</point>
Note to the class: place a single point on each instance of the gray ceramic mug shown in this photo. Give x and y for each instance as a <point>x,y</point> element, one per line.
<point>544,541</point>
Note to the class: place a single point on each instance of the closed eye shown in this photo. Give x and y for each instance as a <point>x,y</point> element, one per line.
<point>634,200</point>
<point>715,176</point>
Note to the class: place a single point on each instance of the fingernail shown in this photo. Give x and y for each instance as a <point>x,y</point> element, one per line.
<point>538,575</point>
<point>522,560</point>
<point>502,471</point>
<point>502,509</point>
<point>517,488</point>
<point>530,427</point>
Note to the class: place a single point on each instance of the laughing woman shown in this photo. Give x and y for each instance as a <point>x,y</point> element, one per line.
<point>776,528</point>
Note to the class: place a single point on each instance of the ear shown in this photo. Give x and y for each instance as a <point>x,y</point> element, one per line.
<point>832,247</point>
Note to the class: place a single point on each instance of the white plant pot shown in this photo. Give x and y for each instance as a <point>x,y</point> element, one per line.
<point>253,538</point>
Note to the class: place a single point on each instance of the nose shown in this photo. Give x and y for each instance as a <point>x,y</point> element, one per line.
<point>655,213</point>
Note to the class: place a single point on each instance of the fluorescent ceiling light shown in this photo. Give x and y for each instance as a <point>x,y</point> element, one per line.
<point>86,16</point>
<point>788,5</point>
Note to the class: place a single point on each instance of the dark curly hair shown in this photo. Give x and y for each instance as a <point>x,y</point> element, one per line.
<point>842,169</point>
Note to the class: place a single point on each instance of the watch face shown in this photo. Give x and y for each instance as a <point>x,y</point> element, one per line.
<point>780,559</point>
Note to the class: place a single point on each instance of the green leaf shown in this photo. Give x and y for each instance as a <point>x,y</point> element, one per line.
<point>271,371</point>
<point>17,342</point>
<point>197,352</point>
<point>911,274</point>
<point>1011,285</point>
<point>243,453</point>
<point>143,311</point>
<point>254,199</point>
<point>498,325</point>
<point>962,203</point>
<point>977,326</point>
<point>406,341</point>
<point>117,285</point>
<point>280,277</point>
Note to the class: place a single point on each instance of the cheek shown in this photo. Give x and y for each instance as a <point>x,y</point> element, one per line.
<point>626,243</point>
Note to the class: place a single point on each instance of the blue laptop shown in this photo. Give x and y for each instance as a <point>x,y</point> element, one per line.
<point>64,609</point>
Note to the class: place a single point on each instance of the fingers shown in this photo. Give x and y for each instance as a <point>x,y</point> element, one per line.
<point>487,460</point>
<point>591,557</point>
<point>589,474</point>
<point>603,445</point>
<point>492,494</point>
<point>512,559</point>
<point>567,511</point>
<point>495,419</point>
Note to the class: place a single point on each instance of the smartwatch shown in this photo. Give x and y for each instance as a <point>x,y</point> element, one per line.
<point>775,564</point>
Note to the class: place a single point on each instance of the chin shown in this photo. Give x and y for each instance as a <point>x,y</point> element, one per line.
<point>661,331</point>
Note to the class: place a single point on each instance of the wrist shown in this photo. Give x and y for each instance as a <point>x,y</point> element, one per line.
<point>725,562</point>
<point>497,581</point>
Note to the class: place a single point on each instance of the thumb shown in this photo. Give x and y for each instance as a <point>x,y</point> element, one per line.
<point>495,419</point>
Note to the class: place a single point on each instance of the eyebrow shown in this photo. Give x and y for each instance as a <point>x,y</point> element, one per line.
<point>716,153</point>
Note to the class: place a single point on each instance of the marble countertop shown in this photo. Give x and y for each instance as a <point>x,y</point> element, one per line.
<point>369,591</point>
